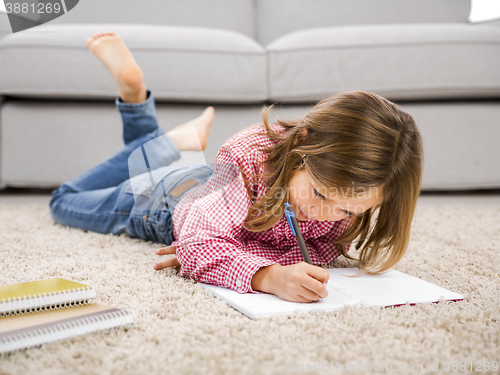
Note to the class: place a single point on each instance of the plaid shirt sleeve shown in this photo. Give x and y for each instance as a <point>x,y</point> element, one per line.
<point>209,244</point>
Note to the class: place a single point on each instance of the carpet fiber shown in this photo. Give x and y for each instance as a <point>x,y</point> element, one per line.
<point>181,329</point>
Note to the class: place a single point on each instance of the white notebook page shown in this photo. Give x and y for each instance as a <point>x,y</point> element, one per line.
<point>391,288</point>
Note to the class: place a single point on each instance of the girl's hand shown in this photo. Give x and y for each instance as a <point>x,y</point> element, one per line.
<point>172,262</point>
<point>300,282</point>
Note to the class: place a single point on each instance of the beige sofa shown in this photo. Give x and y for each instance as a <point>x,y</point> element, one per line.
<point>57,112</point>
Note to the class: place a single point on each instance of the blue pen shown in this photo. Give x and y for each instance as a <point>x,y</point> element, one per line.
<point>292,222</point>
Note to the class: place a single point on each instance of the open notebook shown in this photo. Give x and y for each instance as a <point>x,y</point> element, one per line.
<point>389,289</point>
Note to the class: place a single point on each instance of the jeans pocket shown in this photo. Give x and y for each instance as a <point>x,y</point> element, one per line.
<point>190,178</point>
<point>164,187</point>
<point>149,189</point>
<point>152,218</point>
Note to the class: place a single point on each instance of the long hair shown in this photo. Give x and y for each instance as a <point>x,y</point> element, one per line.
<point>353,141</point>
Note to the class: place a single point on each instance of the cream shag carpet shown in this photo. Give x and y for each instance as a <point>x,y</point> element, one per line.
<point>181,329</point>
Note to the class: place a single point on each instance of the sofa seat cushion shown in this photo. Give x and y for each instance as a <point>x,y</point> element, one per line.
<point>424,61</point>
<point>179,63</point>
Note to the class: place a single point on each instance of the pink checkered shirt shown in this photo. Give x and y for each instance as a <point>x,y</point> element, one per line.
<point>212,245</point>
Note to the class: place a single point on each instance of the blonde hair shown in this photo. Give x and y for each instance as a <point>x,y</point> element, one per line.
<point>353,140</point>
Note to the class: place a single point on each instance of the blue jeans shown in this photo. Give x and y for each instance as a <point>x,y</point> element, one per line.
<point>103,199</point>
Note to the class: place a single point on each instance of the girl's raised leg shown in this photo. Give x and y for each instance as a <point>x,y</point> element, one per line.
<point>96,199</point>
<point>136,105</point>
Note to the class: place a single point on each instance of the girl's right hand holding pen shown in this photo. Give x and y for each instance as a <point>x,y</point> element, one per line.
<point>300,282</point>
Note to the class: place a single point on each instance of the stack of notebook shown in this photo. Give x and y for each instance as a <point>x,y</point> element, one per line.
<point>43,311</point>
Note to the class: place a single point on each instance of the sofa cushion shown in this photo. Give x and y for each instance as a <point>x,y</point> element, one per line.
<point>426,61</point>
<point>236,15</point>
<point>279,17</point>
<point>178,62</point>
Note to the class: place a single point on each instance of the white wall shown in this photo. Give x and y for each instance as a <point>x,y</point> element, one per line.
<point>484,10</point>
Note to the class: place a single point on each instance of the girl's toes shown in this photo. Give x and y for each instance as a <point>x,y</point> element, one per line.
<point>208,114</point>
<point>96,36</point>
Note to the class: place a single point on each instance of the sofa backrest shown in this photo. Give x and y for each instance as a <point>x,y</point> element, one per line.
<point>266,20</point>
<point>278,17</point>
<point>236,15</point>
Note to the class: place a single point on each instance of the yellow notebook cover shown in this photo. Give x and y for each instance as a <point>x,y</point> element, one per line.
<point>40,295</point>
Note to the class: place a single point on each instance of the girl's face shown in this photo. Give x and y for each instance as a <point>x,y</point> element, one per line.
<point>312,202</point>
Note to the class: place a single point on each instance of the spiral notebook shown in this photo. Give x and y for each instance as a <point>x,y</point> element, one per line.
<point>36,296</point>
<point>38,312</point>
<point>392,288</point>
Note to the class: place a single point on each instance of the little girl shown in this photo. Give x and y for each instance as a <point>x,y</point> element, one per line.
<point>351,169</point>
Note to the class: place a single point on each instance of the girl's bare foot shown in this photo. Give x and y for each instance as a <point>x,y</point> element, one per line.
<point>193,135</point>
<point>118,59</point>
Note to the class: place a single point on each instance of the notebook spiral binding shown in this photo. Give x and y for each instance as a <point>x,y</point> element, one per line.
<point>76,327</point>
<point>349,293</point>
<point>51,301</point>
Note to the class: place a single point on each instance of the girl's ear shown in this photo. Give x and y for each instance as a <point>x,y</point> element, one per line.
<point>300,136</point>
